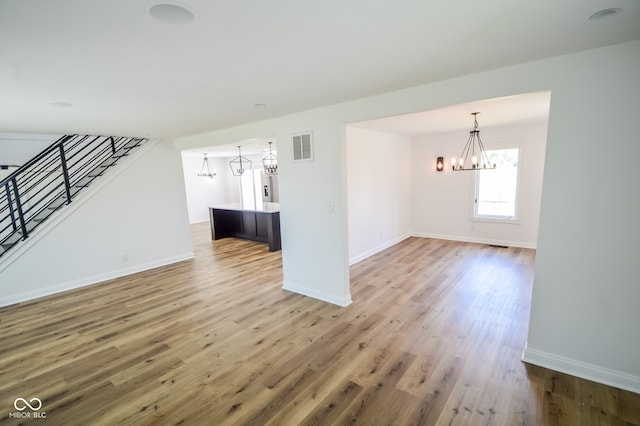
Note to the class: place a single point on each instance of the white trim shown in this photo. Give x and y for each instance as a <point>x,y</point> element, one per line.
<point>582,369</point>
<point>320,295</point>
<point>362,256</point>
<point>62,214</point>
<point>466,239</point>
<point>496,219</point>
<point>95,279</point>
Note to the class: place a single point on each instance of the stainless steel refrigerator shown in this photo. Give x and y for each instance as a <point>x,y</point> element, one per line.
<point>269,188</point>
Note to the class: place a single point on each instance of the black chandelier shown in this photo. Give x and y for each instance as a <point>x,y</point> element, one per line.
<point>472,152</point>
<point>240,164</point>
<point>206,170</point>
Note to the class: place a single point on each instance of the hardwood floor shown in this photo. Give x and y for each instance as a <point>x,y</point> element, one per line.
<point>434,336</point>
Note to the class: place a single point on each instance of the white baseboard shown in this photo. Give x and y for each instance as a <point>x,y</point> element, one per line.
<point>82,282</point>
<point>582,369</point>
<point>320,295</point>
<point>359,257</point>
<point>362,256</point>
<point>468,239</point>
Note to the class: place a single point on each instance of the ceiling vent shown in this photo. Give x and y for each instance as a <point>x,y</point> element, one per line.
<point>302,147</point>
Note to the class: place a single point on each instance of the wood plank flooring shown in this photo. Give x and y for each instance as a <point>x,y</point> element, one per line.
<point>434,336</point>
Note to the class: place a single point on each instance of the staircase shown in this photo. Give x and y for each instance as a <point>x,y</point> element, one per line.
<point>53,179</point>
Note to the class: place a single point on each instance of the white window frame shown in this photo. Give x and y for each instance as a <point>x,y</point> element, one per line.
<point>476,183</point>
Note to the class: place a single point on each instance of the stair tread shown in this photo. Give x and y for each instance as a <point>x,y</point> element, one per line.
<point>132,144</point>
<point>122,152</point>
<point>85,181</point>
<point>55,205</point>
<point>43,215</point>
<point>14,238</point>
<point>108,162</point>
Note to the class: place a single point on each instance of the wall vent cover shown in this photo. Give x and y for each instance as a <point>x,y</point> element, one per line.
<point>302,147</point>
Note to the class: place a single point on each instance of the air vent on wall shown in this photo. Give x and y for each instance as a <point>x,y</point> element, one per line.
<point>302,147</point>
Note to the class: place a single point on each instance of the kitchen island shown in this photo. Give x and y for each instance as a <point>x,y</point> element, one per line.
<point>259,223</point>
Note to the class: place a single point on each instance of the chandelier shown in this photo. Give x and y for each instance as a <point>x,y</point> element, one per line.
<point>270,163</point>
<point>472,152</point>
<point>206,170</point>
<point>240,164</point>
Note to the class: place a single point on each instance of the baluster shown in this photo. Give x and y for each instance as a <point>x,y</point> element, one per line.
<point>12,212</point>
<point>23,225</point>
<point>65,173</point>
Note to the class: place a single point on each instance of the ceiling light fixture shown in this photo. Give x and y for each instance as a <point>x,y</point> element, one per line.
<point>171,13</point>
<point>59,104</point>
<point>270,162</point>
<point>240,164</point>
<point>474,149</point>
<point>206,170</point>
<point>605,13</point>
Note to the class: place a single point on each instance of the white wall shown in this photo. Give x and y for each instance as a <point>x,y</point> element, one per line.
<point>443,202</point>
<point>379,190</point>
<point>203,192</point>
<point>140,214</point>
<point>586,292</point>
<point>584,312</point>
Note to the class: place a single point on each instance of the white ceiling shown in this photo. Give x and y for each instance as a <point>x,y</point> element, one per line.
<point>525,108</point>
<point>123,72</point>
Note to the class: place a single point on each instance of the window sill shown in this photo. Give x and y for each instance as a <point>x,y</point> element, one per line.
<point>496,219</point>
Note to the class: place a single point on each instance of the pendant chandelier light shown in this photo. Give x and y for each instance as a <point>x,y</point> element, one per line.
<point>206,170</point>
<point>473,152</point>
<point>240,164</point>
<point>270,163</point>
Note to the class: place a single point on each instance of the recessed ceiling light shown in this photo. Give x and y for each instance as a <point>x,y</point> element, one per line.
<point>259,105</point>
<point>171,13</point>
<point>59,104</point>
<point>604,14</point>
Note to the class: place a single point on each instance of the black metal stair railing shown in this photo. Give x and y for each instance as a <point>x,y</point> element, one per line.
<point>52,179</point>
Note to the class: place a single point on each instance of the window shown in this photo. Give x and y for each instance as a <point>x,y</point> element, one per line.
<point>497,190</point>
